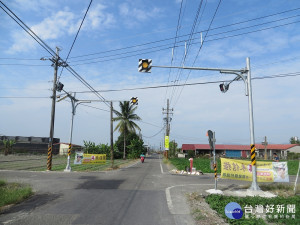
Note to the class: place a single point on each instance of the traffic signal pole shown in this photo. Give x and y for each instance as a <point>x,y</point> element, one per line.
<point>247,80</point>
<point>254,185</point>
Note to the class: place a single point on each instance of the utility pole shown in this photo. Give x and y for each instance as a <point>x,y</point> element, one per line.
<point>111,136</point>
<point>50,146</point>
<point>265,143</point>
<point>167,122</point>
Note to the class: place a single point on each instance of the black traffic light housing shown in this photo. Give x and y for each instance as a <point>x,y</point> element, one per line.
<point>134,100</point>
<point>224,87</point>
<point>59,86</point>
<point>145,65</point>
<point>210,139</point>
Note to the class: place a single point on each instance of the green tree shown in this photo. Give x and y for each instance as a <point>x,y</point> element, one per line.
<point>173,149</point>
<point>136,148</point>
<point>120,141</point>
<point>294,140</point>
<point>8,146</point>
<point>92,148</point>
<point>126,118</point>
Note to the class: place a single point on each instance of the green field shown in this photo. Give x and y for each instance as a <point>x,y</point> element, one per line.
<point>39,163</point>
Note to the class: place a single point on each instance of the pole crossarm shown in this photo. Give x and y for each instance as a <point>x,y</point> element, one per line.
<point>238,72</point>
<point>202,68</point>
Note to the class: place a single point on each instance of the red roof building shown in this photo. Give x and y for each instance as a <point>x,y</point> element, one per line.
<point>237,151</point>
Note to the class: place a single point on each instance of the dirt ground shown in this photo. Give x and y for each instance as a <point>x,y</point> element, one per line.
<point>201,211</point>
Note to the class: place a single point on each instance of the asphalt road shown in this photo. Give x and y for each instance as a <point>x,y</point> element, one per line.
<point>140,194</point>
<point>133,195</point>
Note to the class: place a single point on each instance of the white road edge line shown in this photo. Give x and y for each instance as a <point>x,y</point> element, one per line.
<point>161,168</point>
<point>169,199</point>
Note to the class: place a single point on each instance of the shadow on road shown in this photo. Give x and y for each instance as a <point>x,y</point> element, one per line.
<point>32,203</point>
<point>92,183</point>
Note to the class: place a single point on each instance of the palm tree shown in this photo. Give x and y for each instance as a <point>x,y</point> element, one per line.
<point>126,118</point>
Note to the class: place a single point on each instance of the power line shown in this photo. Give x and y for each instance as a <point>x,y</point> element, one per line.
<point>27,29</point>
<point>169,47</point>
<point>171,38</point>
<point>18,59</point>
<point>162,49</point>
<point>187,47</point>
<point>173,49</point>
<point>76,36</point>
<point>93,107</point>
<point>156,133</point>
<point>293,74</point>
<point>19,64</point>
<point>200,47</point>
<point>195,83</point>
<point>49,50</point>
<point>23,97</point>
<point>149,123</point>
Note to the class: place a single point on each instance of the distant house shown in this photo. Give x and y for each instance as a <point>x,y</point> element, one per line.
<point>243,151</point>
<point>64,147</point>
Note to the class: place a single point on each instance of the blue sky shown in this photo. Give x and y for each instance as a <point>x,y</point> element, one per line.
<point>115,34</point>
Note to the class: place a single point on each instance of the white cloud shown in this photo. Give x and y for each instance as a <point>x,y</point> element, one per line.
<point>33,5</point>
<point>132,15</point>
<point>60,24</point>
<point>98,18</point>
<point>54,26</point>
<point>50,28</point>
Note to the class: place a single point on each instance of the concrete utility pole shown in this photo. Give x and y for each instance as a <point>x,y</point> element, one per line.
<point>50,146</point>
<point>111,136</point>
<point>167,121</point>
<point>265,143</point>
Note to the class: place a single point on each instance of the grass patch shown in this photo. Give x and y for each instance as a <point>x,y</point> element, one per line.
<point>218,203</point>
<point>293,167</point>
<point>202,164</point>
<point>197,214</point>
<point>280,189</point>
<point>11,193</point>
<point>2,183</point>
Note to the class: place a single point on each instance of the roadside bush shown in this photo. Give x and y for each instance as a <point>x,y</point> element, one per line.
<point>191,154</point>
<point>293,156</point>
<point>92,148</point>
